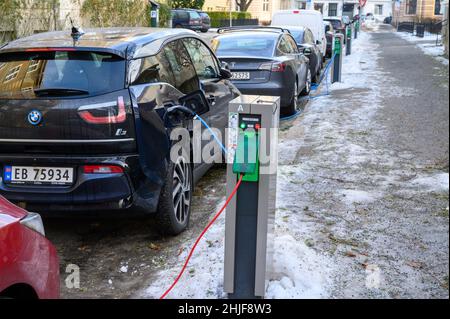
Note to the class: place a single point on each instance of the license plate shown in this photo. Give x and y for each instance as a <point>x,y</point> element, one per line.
<point>240,75</point>
<point>24,175</point>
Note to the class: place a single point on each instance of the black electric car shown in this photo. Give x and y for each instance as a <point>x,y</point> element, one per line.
<point>307,45</point>
<point>85,119</point>
<point>265,61</point>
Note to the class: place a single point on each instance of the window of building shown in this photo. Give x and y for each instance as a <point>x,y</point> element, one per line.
<point>301,4</point>
<point>332,9</point>
<point>318,7</point>
<point>411,6</point>
<point>12,73</point>
<point>437,7</point>
<point>33,66</point>
<point>378,9</point>
<point>265,5</point>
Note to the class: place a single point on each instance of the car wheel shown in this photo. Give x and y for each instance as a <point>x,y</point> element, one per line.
<point>308,84</point>
<point>293,105</point>
<point>314,78</point>
<point>174,208</point>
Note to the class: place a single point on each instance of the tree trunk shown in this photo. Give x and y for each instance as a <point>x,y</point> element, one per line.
<point>243,4</point>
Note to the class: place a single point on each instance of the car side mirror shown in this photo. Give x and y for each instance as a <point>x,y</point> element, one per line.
<point>225,72</point>
<point>196,102</point>
<point>306,51</point>
<point>318,42</point>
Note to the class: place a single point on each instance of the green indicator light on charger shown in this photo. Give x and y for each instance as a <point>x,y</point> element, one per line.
<point>243,126</point>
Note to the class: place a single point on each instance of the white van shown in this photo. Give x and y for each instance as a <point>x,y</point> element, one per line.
<point>311,19</point>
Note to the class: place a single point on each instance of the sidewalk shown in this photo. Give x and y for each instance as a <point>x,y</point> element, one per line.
<point>363,200</point>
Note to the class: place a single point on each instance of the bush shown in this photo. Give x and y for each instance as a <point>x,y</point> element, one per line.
<point>217,16</point>
<point>164,15</point>
<point>112,13</point>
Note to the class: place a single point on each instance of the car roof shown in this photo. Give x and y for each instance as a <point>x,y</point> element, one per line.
<point>294,27</point>
<point>250,33</point>
<point>125,42</point>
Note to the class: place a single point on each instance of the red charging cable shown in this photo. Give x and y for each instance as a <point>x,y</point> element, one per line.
<point>201,236</point>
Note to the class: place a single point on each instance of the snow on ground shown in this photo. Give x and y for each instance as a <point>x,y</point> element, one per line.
<point>430,44</point>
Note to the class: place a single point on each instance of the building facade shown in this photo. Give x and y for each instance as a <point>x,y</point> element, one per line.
<point>418,10</point>
<point>263,9</point>
<point>260,9</point>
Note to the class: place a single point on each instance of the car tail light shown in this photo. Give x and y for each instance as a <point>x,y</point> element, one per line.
<point>296,11</point>
<point>87,116</point>
<point>102,169</point>
<point>274,67</point>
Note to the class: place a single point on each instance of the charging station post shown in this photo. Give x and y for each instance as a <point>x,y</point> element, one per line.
<point>338,56</point>
<point>348,44</point>
<point>252,137</point>
<point>356,28</point>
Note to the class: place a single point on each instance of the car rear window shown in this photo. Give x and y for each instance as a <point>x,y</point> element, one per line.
<point>194,15</point>
<point>22,74</point>
<point>335,23</point>
<point>297,35</point>
<point>245,45</point>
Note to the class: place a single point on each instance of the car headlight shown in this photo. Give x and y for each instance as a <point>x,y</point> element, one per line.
<point>34,222</point>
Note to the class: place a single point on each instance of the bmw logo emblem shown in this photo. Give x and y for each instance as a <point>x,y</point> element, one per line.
<point>35,117</point>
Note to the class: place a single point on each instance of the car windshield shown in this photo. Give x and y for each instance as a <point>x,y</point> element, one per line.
<point>335,23</point>
<point>30,74</point>
<point>245,45</point>
<point>297,35</point>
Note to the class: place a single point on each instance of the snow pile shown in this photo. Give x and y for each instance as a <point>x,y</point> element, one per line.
<point>438,182</point>
<point>299,273</point>
<point>429,44</point>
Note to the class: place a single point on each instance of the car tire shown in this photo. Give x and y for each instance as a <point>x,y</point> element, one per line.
<point>174,207</point>
<point>204,30</point>
<point>308,84</point>
<point>293,105</point>
<point>314,78</point>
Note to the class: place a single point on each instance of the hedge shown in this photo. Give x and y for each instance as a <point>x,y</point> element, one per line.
<point>217,16</point>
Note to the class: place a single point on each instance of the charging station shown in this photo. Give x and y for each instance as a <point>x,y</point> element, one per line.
<point>252,146</point>
<point>348,44</point>
<point>337,64</point>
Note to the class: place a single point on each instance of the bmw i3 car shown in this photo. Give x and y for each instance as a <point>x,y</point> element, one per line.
<point>83,119</point>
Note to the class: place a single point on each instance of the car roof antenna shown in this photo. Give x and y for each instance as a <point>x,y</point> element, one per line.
<point>77,32</point>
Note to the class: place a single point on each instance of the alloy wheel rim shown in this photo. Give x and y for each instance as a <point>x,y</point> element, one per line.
<point>181,190</point>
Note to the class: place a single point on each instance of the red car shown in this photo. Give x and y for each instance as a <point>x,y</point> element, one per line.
<point>29,267</point>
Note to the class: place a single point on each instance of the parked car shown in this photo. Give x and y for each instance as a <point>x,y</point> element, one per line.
<point>338,24</point>
<point>29,267</point>
<point>187,18</point>
<point>206,21</point>
<point>265,61</point>
<point>310,19</point>
<point>329,33</point>
<point>88,126</point>
<point>387,20</point>
<point>306,45</point>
